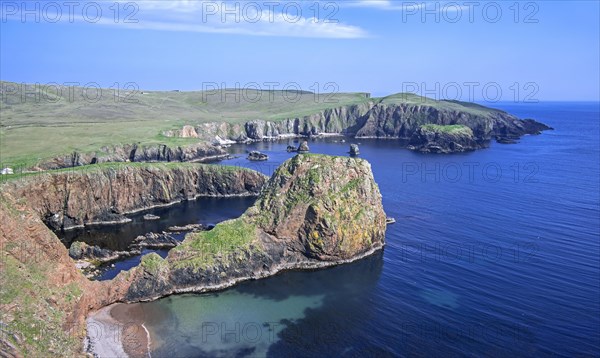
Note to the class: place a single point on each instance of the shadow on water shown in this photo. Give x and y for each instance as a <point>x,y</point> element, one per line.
<point>296,311</point>
<point>206,211</point>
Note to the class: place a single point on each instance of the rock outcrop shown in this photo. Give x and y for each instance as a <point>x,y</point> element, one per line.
<point>104,193</point>
<point>444,139</point>
<point>82,251</point>
<point>398,116</point>
<point>354,151</point>
<point>257,156</point>
<point>303,147</point>
<point>154,240</point>
<point>315,211</point>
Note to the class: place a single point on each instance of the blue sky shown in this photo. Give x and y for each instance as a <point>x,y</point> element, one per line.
<point>545,50</point>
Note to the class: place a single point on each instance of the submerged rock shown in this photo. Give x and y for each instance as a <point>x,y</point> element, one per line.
<point>354,150</point>
<point>303,147</point>
<point>506,140</point>
<point>257,156</point>
<point>291,148</point>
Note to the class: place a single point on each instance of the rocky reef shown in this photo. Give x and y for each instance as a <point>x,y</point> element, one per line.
<point>399,116</point>
<point>104,193</point>
<point>315,211</point>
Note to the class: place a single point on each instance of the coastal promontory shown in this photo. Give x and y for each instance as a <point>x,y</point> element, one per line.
<point>315,211</point>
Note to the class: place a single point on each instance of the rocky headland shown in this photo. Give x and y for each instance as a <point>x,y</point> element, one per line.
<point>315,211</point>
<point>400,116</point>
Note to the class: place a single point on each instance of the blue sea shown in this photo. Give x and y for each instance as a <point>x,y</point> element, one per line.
<point>494,253</point>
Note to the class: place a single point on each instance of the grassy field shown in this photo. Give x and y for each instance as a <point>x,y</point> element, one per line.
<point>455,128</point>
<point>96,168</point>
<point>39,122</point>
<point>443,105</point>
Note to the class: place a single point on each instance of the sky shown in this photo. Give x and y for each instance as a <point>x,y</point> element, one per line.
<point>466,50</point>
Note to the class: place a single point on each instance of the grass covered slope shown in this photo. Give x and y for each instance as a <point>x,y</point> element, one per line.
<point>42,122</point>
<point>454,128</point>
<point>41,291</point>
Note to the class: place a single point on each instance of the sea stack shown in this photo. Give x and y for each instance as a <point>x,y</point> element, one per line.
<point>354,150</point>
<point>303,148</point>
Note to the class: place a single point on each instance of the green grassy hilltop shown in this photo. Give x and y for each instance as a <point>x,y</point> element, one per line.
<point>36,123</point>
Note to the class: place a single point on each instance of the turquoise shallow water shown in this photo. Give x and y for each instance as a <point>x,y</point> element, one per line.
<point>494,253</point>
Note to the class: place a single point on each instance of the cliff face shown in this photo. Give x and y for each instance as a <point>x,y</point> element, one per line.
<point>390,118</point>
<point>137,153</point>
<point>343,120</point>
<point>104,193</point>
<point>44,298</point>
<point>327,208</point>
<point>315,211</point>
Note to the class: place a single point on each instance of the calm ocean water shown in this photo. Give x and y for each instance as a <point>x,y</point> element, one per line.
<point>495,253</point>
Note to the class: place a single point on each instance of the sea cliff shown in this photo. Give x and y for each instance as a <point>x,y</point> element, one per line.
<point>401,117</point>
<point>315,211</point>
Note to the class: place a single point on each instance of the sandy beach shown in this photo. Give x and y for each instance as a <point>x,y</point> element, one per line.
<point>118,331</point>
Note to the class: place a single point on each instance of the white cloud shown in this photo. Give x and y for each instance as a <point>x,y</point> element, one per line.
<point>243,18</point>
<point>256,18</point>
<point>387,4</point>
<point>446,6</point>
